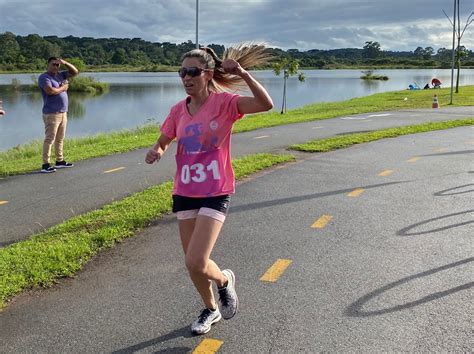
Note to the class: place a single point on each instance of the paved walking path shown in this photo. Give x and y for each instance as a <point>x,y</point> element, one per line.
<point>378,238</point>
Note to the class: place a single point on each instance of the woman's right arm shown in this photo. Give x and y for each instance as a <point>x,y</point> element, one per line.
<point>157,150</point>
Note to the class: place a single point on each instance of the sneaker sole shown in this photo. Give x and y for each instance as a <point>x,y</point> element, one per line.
<point>59,167</point>
<point>217,319</point>
<point>44,171</point>
<point>236,297</point>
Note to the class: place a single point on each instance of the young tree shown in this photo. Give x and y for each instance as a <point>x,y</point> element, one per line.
<point>460,51</point>
<point>289,67</point>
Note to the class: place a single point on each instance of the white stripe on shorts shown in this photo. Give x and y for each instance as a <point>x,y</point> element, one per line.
<point>212,213</point>
<point>192,214</point>
<point>187,214</point>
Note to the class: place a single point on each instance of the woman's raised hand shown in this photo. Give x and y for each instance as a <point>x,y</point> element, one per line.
<point>231,66</point>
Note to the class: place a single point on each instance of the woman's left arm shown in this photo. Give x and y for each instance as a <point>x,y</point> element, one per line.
<point>261,100</point>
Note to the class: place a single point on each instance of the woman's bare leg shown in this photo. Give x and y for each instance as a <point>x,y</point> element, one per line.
<point>198,237</point>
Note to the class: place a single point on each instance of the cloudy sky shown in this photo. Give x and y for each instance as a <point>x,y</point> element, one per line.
<point>301,24</point>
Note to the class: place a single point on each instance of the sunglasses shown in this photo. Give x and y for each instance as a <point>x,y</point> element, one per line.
<point>192,71</point>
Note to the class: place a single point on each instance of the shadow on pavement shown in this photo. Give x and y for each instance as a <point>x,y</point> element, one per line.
<point>355,309</point>
<point>462,152</point>
<point>296,199</point>
<point>405,231</point>
<point>444,192</point>
<point>183,332</point>
<point>177,350</point>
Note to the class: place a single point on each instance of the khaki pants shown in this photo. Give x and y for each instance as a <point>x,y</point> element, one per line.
<point>54,131</point>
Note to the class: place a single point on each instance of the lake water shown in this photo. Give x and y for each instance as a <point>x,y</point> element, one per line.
<point>138,98</point>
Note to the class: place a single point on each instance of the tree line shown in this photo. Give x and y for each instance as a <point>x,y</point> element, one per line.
<point>29,53</point>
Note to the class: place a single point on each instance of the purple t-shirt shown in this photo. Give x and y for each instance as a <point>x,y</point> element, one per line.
<point>53,103</point>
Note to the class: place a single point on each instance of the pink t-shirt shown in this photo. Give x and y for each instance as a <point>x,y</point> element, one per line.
<point>203,153</point>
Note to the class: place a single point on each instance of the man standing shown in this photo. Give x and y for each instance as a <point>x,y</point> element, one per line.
<point>54,86</point>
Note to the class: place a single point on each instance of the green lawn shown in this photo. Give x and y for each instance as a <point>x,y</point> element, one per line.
<point>27,158</point>
<point>341,142</point>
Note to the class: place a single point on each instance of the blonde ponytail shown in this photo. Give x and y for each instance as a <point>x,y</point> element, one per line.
<point>247,54</point>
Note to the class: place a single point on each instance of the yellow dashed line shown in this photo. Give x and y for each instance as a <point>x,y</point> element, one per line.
<point>441,150</point>
<point>262,137</point>
<point>413,159</point>
<point>356,192</point>
<point>276,270</point>
<point>114,170</point>
<point>321,222</point>
<point>3,202</point>
<point>208,346</point>
<point>385,173</point>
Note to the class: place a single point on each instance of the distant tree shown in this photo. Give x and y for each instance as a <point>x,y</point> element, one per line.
<point>119,57</point>
<point>427,53</point>
<point>443,54</point>
<point>78,63</point>
<point>35,47</point>
<point>372,50</point>
<point>289,67</point>
<point>10,49</point>
<point>418,52</point>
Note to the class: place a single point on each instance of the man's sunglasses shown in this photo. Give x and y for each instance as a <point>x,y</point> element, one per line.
<point>192,71</point>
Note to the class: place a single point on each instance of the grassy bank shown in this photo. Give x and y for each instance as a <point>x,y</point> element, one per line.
<point>63,249</point>
<point>85,84</point>
<point>340,142</point>
<point>26,158</point>
<point>375,103</point>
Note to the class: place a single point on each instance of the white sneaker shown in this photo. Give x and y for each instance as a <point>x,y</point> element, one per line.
<point>205,320</point>
<point>228,300</point>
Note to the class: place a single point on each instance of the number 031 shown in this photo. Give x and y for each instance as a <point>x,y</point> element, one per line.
<point>199,172</point>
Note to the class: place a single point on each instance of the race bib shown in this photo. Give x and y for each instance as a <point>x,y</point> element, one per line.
<point>200,174</point>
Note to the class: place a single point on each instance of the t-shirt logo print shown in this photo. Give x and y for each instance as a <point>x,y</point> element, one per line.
<point>213,124</point>
<point>191,142</point>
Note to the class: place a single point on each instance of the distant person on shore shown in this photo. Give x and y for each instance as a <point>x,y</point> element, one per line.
<point>202,125</point>
<point>54,86</point>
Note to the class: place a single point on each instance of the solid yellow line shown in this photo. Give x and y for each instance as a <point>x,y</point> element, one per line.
<point>321,222</point>
<point>441,150</point>
<point>413,159</point>
<point>3,202</point>
<point>356,192</point>
<point>114,170</point>
<point>208,346</point>
<point>385,173</point>
<point>276,270</point>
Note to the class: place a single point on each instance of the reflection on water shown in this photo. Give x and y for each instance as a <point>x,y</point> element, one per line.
<point>77,108</point>
<point>137,98</point>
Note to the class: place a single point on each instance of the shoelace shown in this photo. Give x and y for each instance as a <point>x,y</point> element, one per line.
<point>204,315</point>
<point>224,296</point>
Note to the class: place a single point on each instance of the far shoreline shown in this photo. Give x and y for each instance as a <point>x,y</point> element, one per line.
<point>175,68</point>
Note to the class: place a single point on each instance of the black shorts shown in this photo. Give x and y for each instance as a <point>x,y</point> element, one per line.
<point>219,203</point>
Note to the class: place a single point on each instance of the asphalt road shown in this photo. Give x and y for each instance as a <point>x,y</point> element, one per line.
<point>391,270</point>
<point>30,203</point>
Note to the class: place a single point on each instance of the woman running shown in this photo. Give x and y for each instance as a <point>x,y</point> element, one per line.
<point>204,179</point>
